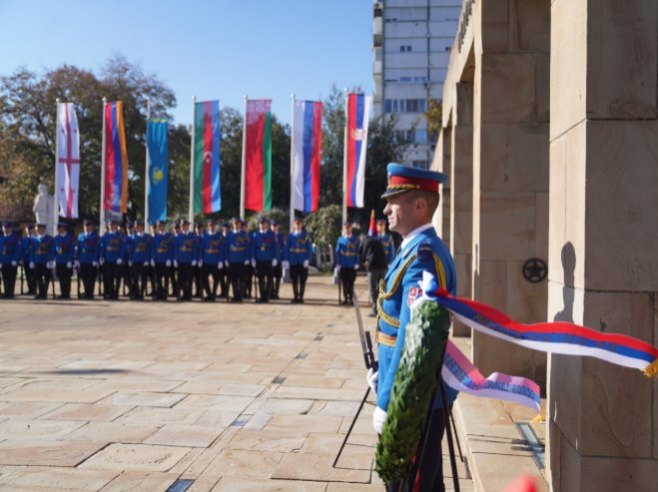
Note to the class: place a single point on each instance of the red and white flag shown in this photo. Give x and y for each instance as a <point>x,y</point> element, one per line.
<point>68,160</point>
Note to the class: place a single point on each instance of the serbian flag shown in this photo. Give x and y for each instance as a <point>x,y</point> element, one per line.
<point>306,155</point>
<point>207,197</point>
<point>372,227</point>
<point>68,160</point>
<point>158,169</point>
<point>357,118</point>
<point>116,159</point>
<point>258,155</point>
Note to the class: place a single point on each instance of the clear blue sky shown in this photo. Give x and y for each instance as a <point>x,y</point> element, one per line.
<point>218,49</point>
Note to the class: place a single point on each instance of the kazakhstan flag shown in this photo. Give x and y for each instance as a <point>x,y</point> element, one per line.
<point>156,141</point>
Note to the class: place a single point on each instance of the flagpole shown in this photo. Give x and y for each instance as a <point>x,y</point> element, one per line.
<point>244,158</point>
<point>56,194</point>
<point>102,214</point>
<point>147,172</point>
<point>191,210</point>
<point>292,157</point>
<point>345,160</point>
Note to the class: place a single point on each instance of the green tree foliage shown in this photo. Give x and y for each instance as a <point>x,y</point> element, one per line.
<point>434,117</point>
<point>325,224</point>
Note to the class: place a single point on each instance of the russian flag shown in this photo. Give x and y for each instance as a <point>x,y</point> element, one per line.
<point>357,117</point>
<point>306,155</point>
<point>116,159</point>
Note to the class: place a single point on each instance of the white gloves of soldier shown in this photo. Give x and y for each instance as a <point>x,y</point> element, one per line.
<point>94,263</point>
<point>337,270</point>
<point>193,262</point>
<point>356,267</point>
<point>147,263</point>
<point>378,419</point>
<point>152,263</point>
<point>13,263</point>
<point>220,265</point>
<point>102,260</point>
<point>372,378</point>
<point>253,263</point>
<point>226,263</point>
<point>130,263</point>
<point>168,263</point>
<point>176,263</point>
<point>32,265</point>
<point>76,264</point>
<point>305,263</point>
<point>119,261</point>
<point>200,263</point>
<point>69,265</point>
<point>246,262</point>
<point>275,262</point>
<point>285,265</point>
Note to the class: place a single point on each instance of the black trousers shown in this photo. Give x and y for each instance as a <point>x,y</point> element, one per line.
<point>9,280</point>
<point>42,278</point>
<point>111,280</point>
<point>174,281</point>
<point>64,274</point>
<point>298,276</point>
<point>236,275</point>
<point>88,277</point>
<point>248,277</point>
<point>223,282</point>
<point>347,277</point>
<point>138,279</point>
<point>265,278</point>
<point>29,277</point>
<point>198,281</point>
<point>161,287</point>
<point>185,277</point>
<point>277,272</point>
<point>210,271</point>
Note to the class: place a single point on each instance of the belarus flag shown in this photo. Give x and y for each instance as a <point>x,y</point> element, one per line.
<point>357,117</point>
<point>306,155</point>
<point>68,160</point>
<point>258,155</point>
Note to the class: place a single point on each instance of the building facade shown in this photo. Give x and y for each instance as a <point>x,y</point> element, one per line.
<point>411,51</point>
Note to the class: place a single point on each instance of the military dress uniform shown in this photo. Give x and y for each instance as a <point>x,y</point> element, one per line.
<point>223,272</point>
<point>43,254</point>
<point>185,255</point>
<point>277,271</point>
<point>87,256</point>
<point>347,258</point>
<point>211,258</point>
<point>124,266</point>
<point>10,256</point>
<point>422,250</point>
<point>163,256</point>
<point>299,251</point>
<point>111,258</point>
<point>64,256</point>
<point>238,258</point>
<point>264,256</point>
<point>26,251</point>
<point>140,253</point>
<point>388,245</point>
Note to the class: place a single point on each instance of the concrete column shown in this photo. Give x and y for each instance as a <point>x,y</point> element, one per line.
<point>510,173</point>
<point>441,163</point>
<point>603,419</point>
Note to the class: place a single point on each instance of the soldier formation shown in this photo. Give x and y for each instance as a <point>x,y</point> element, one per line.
<point>178,264</point>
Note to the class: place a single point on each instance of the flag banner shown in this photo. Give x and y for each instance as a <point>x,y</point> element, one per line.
<point>68,160</point>
<point>372,226</point>
<point>116,159</point>
<point>158,169</point>
<point>258,155</point>
<point>358,116</point>
<point>461,375</point>
<point>306,155</point>
<point>207,195</point>
<point>552,337</point>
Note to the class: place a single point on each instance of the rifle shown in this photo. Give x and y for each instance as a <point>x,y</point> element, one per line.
<point>22,274</point>
<point>76,268</point>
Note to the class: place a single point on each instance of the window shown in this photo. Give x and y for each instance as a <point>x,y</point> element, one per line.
<point>405,48</point>
<point>420,164</point>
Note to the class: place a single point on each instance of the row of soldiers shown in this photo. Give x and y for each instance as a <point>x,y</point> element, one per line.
<point>182,260</point>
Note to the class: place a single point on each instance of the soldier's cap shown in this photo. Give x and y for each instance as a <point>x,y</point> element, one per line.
<point>199,225</point>
<point>41,225</point>
<point>298,219</point>
<point>211,221</point>
<point>263,219</point>
<point>87,222</point>
<point>112,221</point>
<point>274,222</point>
<point>226,224</point>
<point>348,224</point>
<point>62,225</point>
<point>404,178</point>
<point>184,221</point>
<point>159,222</point>
<point>7,223</point>
<point>139,222</point>
<point>236,220</point>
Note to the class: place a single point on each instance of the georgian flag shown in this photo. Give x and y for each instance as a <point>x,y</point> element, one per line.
<point>68,160</point>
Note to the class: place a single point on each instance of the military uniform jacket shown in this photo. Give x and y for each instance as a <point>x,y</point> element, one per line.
<point>43,250</point>
<point>64,249</point>
<point>299,248</point>
<point>26,249</point>
<point>264,246</point>
<point>10,249</point>
<point>238,247</point>
<point>387,242</point>
<point>112,246</point>
<point>213,248</point>
<point>163,247</point>
<point>425,251</point>
<point>141,248</point>
<point>186,247</point>
<point>88,247</point>
<point>347,251</point>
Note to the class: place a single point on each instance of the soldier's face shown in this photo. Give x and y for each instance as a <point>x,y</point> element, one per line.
<point>41,231</point>
<point>400,213</point>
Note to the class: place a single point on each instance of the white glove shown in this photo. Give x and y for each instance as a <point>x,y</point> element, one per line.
<point>69,265</point>
<point>32,265</point>
<point>176,263</point>
<point>378,419</point>
<point>94,263</point>
<point>275,262</point>
<point>168,263</point>
<point>200,263</point>
<point>253,263</point>
<point>76,263</point>
<point>337,270</point>
<point>372,378</point>
<point>246,262</point>
<point>13,263</point>
<point>119,261</point>
<point>285,265</point>
<point>130,263</point>
<point>193,262</point>
<point>220,265</point>
<point>152,263</point>
<point>356,267</point>
<point>102,260</point>
<point>146,263</point>
<point>52,265</point>
<point>305,263</point>
<point>226,263</point>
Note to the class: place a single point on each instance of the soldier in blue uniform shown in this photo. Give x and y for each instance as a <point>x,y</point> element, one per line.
<point>347,261</point>
<point>126,231</point>
<point>277,271</point>
<point>223,272</point>
<point>163,256</point>
<point>211,258</point>
<point>237,258</point>
<point>249,269</point>
<point>41,260</point>
<point>196,270</point>
<point>298,253</point>
<point>386,240</point>
<point>87,256</point>
<point>10,256</point>
<point>64,256</point>
<point>185,255</point>
<point>265,256</point>
<point>26,251</point>
<point>412,197</point>
<point>111,258</point>
<point>140,253</point>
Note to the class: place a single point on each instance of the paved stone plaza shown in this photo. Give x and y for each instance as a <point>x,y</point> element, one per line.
<point>137,395</point>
